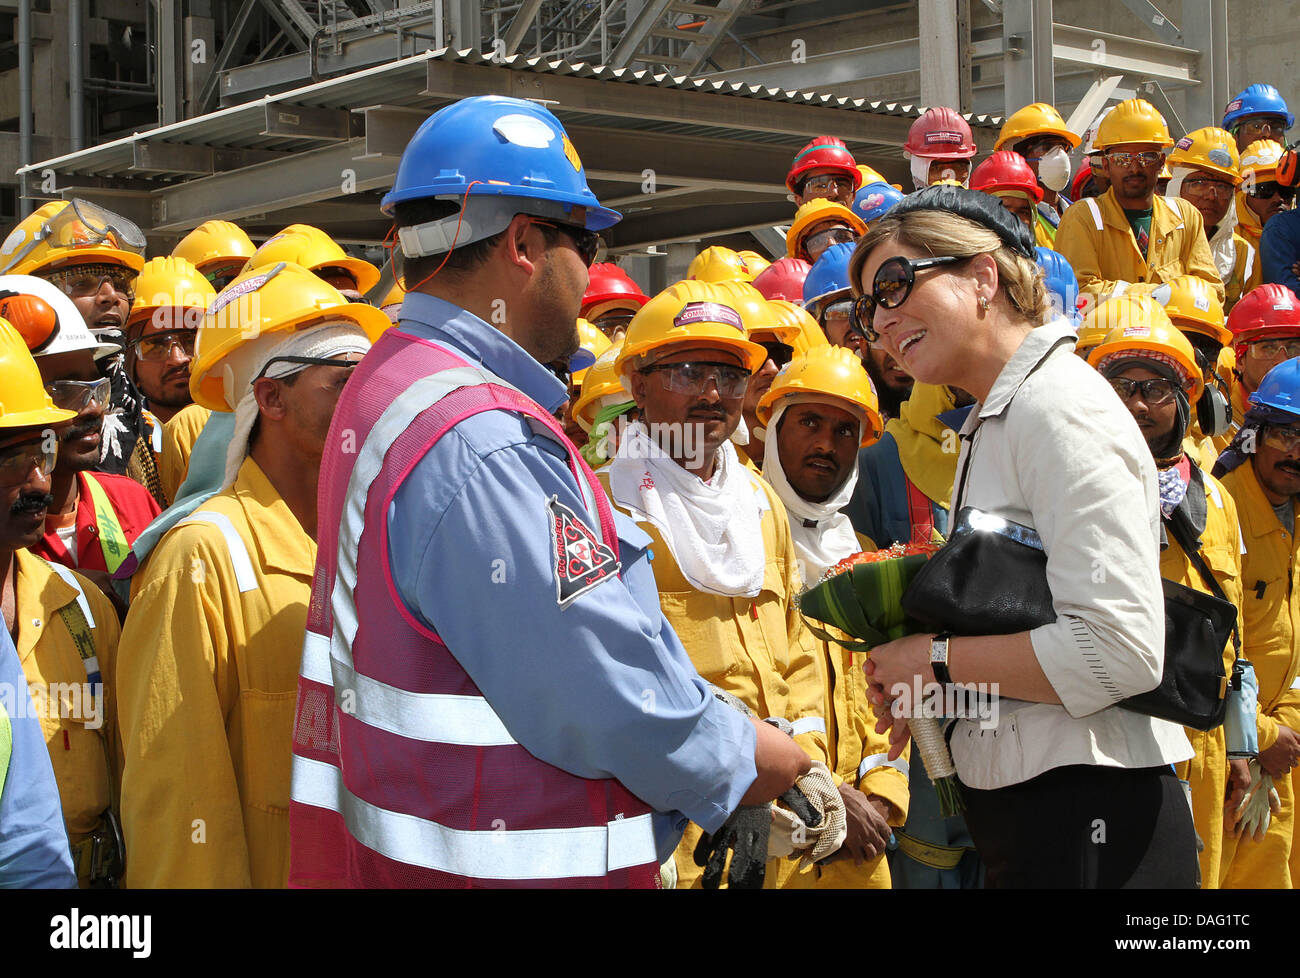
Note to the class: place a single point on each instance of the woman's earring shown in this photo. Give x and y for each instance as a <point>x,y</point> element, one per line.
<point>984,303</point>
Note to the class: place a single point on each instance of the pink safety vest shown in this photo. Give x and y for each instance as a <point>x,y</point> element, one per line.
<point>403,774</point>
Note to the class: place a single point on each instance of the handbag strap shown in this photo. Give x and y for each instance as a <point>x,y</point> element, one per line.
<point>1180,527</point>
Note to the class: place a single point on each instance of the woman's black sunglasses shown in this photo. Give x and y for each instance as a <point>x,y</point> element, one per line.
<point>890,289</point>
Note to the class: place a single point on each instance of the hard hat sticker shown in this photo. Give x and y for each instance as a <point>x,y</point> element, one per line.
<point>233,291</point>
<point>708,312</point>
<point>1184,143</point>
<point>1220,157</point>
<point>524,130</point>
<point>16,237</point>
<point>1137,330</point>
<point>571,154</point>
<point>942,136</point>
<point>1201,303</point>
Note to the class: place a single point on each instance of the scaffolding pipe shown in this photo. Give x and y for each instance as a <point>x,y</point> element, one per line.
<point>76,77</point>
<point>24,98</point>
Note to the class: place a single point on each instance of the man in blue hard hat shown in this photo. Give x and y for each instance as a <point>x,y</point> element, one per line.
<point>442,740</point>
<point>1257,112</point>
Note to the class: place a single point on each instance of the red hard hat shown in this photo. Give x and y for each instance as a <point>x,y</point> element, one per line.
<point>826,152</point>
<point>1267,309</point>
<point>940,134</point>
<point>1080,180</point>
<point>783,280</point>
<point>607,282</point>
<point>1006,170</point>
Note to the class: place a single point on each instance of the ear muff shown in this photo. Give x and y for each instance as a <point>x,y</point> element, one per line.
<point>32,316</point>
<point>1288,168</point>
<point>1214,410</point>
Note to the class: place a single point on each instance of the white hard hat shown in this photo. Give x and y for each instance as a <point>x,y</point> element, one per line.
<point>73,334</point>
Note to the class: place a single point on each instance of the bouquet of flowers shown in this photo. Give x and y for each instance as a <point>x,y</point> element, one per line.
<point>862,597</point>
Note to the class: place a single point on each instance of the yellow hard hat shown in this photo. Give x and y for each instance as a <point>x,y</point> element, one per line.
<point>1192,304</point>
<point>214,242</point>
<point>169,283</point>
<point>65,232</point>
<point>814,212</point>
<point>1259,161</point>
<point>689,312</point>
<point>830,372</point>
<point>1140,327</point>
<point>870,175</point>
<point>798,324</point>
<point>1035,119</point>
<point>1226,365</point>
<point>314,250</point>
<point>23,400</point>
<point>599,381</point>
<point>755,263</point>
<point>1212,149</point>
<point>718,264</point>
<point>395,295</point>
<point>593,342</point>
<point>1134,120</point>
<point>757,315</point>
<point>282,298</point>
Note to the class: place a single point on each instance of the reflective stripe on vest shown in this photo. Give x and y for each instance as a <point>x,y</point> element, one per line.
<point>1096,211</point>
<point>1250,264</point>
<point>807,725</point>
<point>351,827</point>
<point>79,621</point>
<point>6,746</point>
<point>245,577</point>
<point>882,760</point>
<point>111,538</point>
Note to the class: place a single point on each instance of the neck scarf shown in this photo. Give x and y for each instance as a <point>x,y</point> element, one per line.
<point>713,529</point>
<point>823,535</point>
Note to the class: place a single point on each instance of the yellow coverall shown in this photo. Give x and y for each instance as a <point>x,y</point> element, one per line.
<point>1247,272</point>
<point>179,435</point>
<point>208,686</point>
<point>85,749</point>
<point>1207,772</point>
<point>1270,614</point>
<point>861,758</point>
<point>754,649</point>
<point>1095,237</point>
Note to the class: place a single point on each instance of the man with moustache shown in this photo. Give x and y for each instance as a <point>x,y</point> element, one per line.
<point>1130,239</point>
<point>65,631</point>
<point>819,410</point>
<point>94,517</point>
<point>725,563</point>
<point>1261,469</point>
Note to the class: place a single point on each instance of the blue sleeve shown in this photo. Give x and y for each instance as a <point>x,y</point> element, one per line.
<point>1280,249</point>
<point>600,687</point>
<point>33,842</point>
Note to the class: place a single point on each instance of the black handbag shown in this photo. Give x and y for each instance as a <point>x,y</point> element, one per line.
<point>990,578</point>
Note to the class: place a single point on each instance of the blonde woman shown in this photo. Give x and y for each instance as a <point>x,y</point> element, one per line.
<point>1066,788</point>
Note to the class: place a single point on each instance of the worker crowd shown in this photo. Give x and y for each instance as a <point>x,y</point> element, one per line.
<point>492,577</point>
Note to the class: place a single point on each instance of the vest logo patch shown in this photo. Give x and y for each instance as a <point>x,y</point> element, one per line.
<point>582,561</point>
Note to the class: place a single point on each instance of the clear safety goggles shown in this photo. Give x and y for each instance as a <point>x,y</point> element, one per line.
<point>75,395</point>
<point>17,461</point>
<point>83,224</point>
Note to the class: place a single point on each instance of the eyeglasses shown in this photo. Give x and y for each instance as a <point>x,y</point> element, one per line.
<point>1271,349</point>
<point>587,242</point>
<point>1283,439</point>
<point>819,242</point>
<point>779,353</point>
<point>1157,390</point>
<point>1206,186</point>
<point>890,289</point>
<point>1271,188</point>
<point>17,461</point>
<point>824,182</point>
<point>86,280</point>
<point>1141,159</point>
<point>1277,128</point>
<point>304,361</point>
<point>158,346</point>
<point>695,378</point>
<point>75,395</point>
<point>609,325</point>
<point>836,310</point>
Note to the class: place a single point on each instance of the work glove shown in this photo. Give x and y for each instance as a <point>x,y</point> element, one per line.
<point>745,835</point>
<point>1258,807</point>
<point>813,821</point>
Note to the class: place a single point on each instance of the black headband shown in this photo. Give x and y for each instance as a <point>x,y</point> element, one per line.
<point>974,205</point>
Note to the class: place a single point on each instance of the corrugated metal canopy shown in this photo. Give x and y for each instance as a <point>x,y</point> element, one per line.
<point>716,150</point>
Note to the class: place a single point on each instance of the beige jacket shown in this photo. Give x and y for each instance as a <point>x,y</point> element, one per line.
<point>1067,459</point>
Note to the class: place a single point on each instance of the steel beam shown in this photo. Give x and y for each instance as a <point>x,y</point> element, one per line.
<point>523,19</point>
<point>620,100</point>
<point>278,74</point>
<point>161,157</point>
<point>286,119</point>
<point>1206,29</point>
<point>302,178</point>
<point>629,46</point>
<point>1114,53</point>
<point>1028,51</point>
<point>388,128</point>
<point>937,50</point>
<point>1092,103</point>
<point>296,23</point>
<point>1155,19</point>
<point>708,37</point>
<point>238,34</point>
<point>820,72</point>
<point>1153,93</point>
<point>691,224</point>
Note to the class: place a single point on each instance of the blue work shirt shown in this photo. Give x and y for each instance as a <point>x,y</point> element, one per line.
<point>600,688</point>
<point>33,842</point>
<point>1279,248</point>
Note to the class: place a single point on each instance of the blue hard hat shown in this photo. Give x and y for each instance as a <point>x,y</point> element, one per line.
<point>1061,283</point>
<point>1280,388</point>
<point>874,200</point>
<point>1257,100</point>
<point>828,276</point>
<point>499,146</point>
